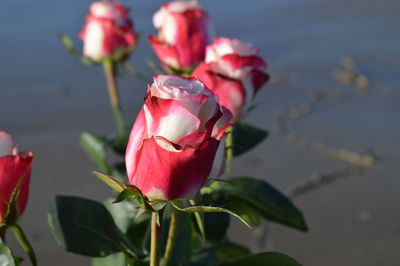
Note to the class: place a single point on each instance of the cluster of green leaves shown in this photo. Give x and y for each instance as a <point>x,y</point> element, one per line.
<point>119,234</point>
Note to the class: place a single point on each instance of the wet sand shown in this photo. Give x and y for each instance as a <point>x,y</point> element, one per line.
<point>47,99</point>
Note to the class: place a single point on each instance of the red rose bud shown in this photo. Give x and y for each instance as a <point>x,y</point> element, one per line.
<point>184,31</point>
<point>13,166</point>
<point>107,30</point>
<point>233,71</point>
<point>173,142</point>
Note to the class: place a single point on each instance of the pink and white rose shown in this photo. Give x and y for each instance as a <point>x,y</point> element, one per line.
<point>184,30</point>
<point>174,140</point>
<point>13,166</point>
<point>233,71</point>
<point>108,29</point>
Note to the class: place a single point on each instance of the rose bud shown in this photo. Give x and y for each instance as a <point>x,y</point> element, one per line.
<point>173,142</point>
<point>108,29</point>
<point>13,167</point>
<point>184,30</point>
<point>233,71</point>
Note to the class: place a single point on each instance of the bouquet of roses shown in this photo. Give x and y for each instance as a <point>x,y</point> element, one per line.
<point>174,191</point>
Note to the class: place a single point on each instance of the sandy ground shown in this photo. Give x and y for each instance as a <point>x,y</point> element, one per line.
<point>47,99</point>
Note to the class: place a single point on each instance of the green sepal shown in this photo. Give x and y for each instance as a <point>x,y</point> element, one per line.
<point>129,193</point>
<point>68,44</point>
<point>12,215</point>
<point>112,182</point>
<point>209,209</point>
<point>133,192</point>
<point>154,67</point>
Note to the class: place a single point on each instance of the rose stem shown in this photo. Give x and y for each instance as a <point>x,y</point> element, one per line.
<point>171,237</point>
<point>229,150</point>
<point>109,71</point>
<point>155,235</point>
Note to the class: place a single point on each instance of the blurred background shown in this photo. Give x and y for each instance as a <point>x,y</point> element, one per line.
<point>332,109</point>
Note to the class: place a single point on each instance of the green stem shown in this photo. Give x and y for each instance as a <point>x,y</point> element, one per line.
<point>131,70</point>
<point>229,150</point>
<point>155,235</point>
<point>109,72</point>
<point>24,243</point>
<point>169,248</point>
<point>199,221</point>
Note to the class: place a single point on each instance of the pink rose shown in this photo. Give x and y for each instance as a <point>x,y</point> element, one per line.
<point>233,71</point>
<point>13,166</point>
<point>108,29</point>
<point>184,31</point>
<point>173,142</point>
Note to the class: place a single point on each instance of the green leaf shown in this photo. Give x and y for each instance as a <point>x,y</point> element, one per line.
<point>210,209</point>
<point>262,259</point>
<point>85,227</point>
<point>229,250</point>
<point>246,210</point>
<point>124,214</point>
<point>205,256</point>
<point>216,223</point>
<point>260,196</point>
<point>24,243</point>
<point>246,137</point>
<point>183,247</point>
<point>216,226</point>
<point>96,148</point>
<point>113,182</point>
<point>6,258</point>
<point>17,260</point>
<point>116,259</point>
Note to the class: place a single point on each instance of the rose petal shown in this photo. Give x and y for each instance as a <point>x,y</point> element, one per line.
<point>135,141</point>
<point>169,175</point>
<point>6,144</point>
<point>231,93</point>
<point>11,169</point>
<point>167,54</point>
<point>163,117</point>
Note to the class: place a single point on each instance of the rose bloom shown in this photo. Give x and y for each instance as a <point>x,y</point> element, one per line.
<point>173,142</point>
<point>107,29</point>
<point>233,71</point>
<point>13,166</point>
<point>184,30</point>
